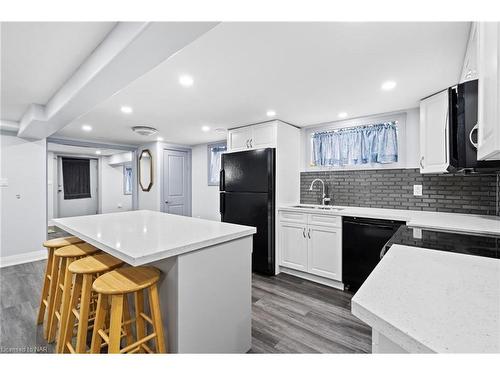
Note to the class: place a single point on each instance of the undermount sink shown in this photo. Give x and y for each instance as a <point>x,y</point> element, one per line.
<point>329,208</point>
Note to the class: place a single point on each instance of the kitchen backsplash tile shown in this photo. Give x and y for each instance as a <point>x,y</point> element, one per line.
<point>393,188</point>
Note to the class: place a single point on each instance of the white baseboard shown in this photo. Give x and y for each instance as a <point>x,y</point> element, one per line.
<point>317,279</point>
<point>33,256</point>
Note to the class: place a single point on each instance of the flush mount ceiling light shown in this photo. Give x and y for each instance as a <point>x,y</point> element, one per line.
<point>144,130</point>
<point>271,113</point>
<point>205,128</point>
<point>186,80</point>
<point>86,128</point>
<point>126,109</point>
<point>98,152</point>
<point>388,85</point>
<point>343,114</point>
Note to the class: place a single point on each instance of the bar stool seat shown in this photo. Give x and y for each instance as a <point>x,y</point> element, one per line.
<point>126,280</point>
<point>51,246</point>
<point>60,286</point>
<point>114,286</point>
<point>82,301</point>
<point>76,250</point>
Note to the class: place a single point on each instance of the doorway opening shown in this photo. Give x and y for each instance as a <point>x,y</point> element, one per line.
<point>87,180</point>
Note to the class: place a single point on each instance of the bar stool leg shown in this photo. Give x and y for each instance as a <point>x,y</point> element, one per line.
<point>64,305</point>
<point>127,327</point>
<point>52,289</point>
<point>154,304</point>
<point>44,299</point>
<point>140,325</point>
<point>57,301</point>
<point>115,323</point>
<point>68,317</point>
<point>100,317</point>
<point>81,338</point>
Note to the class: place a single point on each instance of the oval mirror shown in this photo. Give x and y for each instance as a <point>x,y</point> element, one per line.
<point>145,170</point>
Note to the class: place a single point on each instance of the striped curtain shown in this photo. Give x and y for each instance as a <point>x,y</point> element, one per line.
<point>369,144</point>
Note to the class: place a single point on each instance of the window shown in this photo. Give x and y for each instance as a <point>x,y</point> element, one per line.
<point>215,152</point>
<point>356,145</point>
<point>76,178</point>
<point>127,180</point>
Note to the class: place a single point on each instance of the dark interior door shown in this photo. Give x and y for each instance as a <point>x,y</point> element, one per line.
<point>248,171</point>
<point>256,210</point>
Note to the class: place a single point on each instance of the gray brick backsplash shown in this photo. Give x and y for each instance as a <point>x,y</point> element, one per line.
<point>472,194</point>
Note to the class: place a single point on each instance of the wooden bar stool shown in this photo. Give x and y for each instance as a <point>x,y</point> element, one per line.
<point>115,285</point>
<point>51,246</point>
<point>61,282</point>
<point>85,271</point>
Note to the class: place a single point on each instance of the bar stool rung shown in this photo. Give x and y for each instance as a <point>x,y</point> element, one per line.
<point>146,318</point>
<point>138,343</point>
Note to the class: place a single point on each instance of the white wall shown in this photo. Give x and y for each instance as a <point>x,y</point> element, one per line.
<point>111,194</point>
<point>205,199</point>
<point>51,185</point>
<point>23,201</point>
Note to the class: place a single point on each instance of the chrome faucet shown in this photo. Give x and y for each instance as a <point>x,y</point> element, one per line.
<point>324,199</point>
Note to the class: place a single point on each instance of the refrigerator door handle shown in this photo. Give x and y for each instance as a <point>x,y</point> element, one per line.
<point>222,182</point>
<point>222,203</point>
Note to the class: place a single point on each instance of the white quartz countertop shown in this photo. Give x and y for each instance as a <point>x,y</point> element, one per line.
<point>443,221</point>
<point>433,301</point>
<point>140,237</point>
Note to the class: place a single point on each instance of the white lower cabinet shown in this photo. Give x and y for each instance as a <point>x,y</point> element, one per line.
<point>324,252</point>
<point>294,246</point>
<point>314,249</point>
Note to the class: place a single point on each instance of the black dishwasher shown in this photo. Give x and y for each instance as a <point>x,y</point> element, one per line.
<point>362,242</point>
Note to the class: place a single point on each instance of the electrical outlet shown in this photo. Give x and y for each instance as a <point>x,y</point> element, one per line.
<point>417,190</point>
<point>417,233</point>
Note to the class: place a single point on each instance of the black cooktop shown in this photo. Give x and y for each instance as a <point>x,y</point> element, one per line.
<point>486,246</point>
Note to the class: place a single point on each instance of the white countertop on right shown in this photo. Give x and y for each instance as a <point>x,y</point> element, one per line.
<point>433,301</point>
<point>443,221</point>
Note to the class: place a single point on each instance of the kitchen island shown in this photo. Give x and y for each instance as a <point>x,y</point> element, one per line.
<point>205,288</point>
<point>428,301</point>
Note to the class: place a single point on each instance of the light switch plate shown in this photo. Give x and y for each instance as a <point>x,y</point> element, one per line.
<point>417,190</point>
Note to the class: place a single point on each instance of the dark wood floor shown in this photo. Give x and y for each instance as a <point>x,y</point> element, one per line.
<point>289,315</point>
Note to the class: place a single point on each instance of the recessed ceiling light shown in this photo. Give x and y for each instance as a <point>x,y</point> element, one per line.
<point>186,80</point>
<point>388,85</point>
<point>98,152</point>
<point>159,139</point>
<point>126,109</point>
<point>205,128</point>
<point>271,113</point>
<point>86,127</point>
<point>343,114</point>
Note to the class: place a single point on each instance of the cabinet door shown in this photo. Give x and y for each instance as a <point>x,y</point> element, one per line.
<point>239,139</point>
<point>325,252</point>
<point>434,133</point>
<point>293,246</point>
<point>264,135</point>
<point>488,92</point>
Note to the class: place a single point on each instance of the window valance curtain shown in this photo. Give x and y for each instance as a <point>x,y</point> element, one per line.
<point>377,143</point>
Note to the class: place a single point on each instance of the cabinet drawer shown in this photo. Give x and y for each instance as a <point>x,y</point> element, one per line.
<point>325,220</point>
<point>295,217</point>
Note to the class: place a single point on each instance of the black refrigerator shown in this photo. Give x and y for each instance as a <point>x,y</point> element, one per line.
<point>247,181</point>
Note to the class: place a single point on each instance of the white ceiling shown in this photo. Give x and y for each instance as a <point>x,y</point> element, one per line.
<point>306,72</point>
<point>38,57</point>
<point>80,150</point>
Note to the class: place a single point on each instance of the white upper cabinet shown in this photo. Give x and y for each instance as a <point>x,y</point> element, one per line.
<point>488,94</point>
<point>434,133</point>
<point>252,137</point>
<point>470,69</point>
